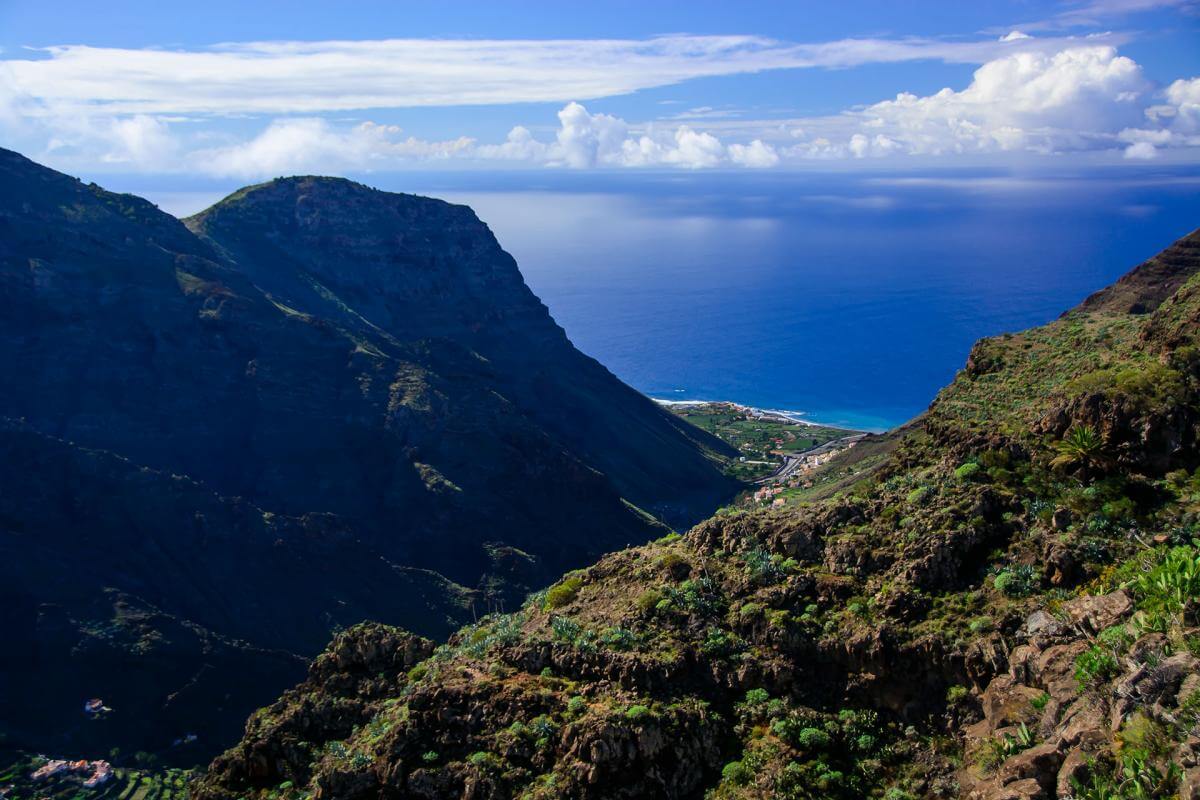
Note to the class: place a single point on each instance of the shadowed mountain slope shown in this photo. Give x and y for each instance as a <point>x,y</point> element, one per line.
<point>373,416</point>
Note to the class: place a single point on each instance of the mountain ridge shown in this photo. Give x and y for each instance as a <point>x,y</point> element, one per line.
<point>364,368</point>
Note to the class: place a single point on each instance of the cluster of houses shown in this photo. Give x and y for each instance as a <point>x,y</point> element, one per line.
<point>97,772</point>
<point>812,462</point>
<point>95,707</point>
<point>767,493</point>
<point>797,473</point>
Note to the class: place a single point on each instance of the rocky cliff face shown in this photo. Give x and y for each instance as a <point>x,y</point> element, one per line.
<point>1003,607</point>
<point>313,404</point>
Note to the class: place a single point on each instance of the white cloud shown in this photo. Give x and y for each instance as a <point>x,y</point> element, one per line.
<point>314,77</point>
<point>1184,98</point>
<point>585,140</point>
<point>694,150</point>
<point>140,140</point>
<point>1141,151</point>
<point>757,154</point>
<point>1024,101</point>
<point>313,145</point>
<point>519,145</point>
<point>590,140</point>
<point>1075,99</point>
<point>1098,12</point>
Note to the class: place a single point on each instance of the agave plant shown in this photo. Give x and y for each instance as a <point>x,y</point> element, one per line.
<point>1082,447</point>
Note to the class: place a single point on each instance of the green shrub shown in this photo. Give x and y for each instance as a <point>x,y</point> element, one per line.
<point>696,595</point>
<point>619,638</point>
<point>1189,712</point>
<point>481,759</point>
<point>1136,777</point>
<point>967,471</point>
<point>576,705</point>
<point>997,750</point>
<point>737,773</point>
<point>1017,581</point>
<point>542,726</point>
<point>1040,702</point>
<point>1094,667</point>
<point>1117,638</point>
<point>865,743</point>
<point>918,495</point>
<point>812,739</point>
<point>1164,591</point>
<point>757,697</point>
<point>567,630</point>
<point>719,643</point>
<point>648,600</point>
<point>800,735</point>
<point>563,592</point>
<point>1144,734</point>
<point>637,712</point>
<point>673,562</point>
<point>760,566</point>
<point>957,694</point>
<point>429,757</point>
<point>750,610</point>
<point>1082,446</point>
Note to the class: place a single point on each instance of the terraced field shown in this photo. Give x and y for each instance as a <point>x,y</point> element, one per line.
<point>126,784</point>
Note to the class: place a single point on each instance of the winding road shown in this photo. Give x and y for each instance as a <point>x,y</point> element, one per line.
<point>792,461</point>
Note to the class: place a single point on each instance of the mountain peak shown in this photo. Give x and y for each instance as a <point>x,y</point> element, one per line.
<point>319,191</point>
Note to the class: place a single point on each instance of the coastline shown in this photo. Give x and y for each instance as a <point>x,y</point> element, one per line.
<point>779,415</point>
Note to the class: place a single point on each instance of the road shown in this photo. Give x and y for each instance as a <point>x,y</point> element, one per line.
<point>791,461</point>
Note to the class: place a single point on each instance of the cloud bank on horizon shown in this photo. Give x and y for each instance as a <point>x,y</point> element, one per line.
<point>260,109</point>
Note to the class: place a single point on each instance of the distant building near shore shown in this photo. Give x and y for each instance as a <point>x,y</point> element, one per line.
<point>95,707</point>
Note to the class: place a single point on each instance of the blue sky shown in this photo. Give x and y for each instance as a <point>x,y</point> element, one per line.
<point>242,91</point>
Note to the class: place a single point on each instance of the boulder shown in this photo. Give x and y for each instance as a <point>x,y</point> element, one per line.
<point>1094,613</point>
<point>1040,763</point>
<point>1075,767</point>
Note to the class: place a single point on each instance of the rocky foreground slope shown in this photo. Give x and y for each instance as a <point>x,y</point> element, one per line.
<point>1006,607</point>
<point>313,404</point>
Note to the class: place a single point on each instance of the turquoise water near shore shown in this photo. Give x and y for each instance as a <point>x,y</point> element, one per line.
<point>850,299</point>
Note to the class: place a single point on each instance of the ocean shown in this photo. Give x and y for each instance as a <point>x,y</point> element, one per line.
<point>849,298</point>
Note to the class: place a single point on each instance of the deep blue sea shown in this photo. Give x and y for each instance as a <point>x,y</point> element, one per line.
<point>850,297</point>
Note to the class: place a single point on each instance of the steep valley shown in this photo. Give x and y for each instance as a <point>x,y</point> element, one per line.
<point>997,601</point>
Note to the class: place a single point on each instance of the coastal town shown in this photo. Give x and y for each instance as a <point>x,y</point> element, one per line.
<point>777,451</point>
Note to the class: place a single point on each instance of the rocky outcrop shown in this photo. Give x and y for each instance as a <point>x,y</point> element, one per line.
<point>345,688</point>
<point>1045,728</point>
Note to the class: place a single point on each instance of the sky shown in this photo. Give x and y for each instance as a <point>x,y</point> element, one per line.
<point>243,91</point>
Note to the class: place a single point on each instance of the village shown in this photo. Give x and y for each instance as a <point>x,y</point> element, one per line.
<point>36,777</point>
<point>797,470</point>
<point>96,772</point>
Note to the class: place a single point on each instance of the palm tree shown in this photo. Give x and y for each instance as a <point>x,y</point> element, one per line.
<point>1082,447</point>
